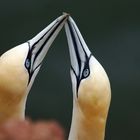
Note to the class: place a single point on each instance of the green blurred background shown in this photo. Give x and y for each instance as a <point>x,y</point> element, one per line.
<point>112,32</point>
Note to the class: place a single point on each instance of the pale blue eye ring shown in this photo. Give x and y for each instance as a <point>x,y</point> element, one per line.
<point>85,72</point>
<point>27,63</point>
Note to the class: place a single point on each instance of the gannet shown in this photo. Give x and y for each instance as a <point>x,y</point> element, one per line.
<point>19,67</point>
<point>91,89</point>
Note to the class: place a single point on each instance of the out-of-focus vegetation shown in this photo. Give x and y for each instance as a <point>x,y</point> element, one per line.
<point>28,130</point>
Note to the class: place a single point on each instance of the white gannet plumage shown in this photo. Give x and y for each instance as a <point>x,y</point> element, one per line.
<point>19,67</point>
<point>91,89</point>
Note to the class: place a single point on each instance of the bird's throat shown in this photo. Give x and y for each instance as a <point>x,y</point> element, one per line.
<point>86,128</point>
<point>11,108</point>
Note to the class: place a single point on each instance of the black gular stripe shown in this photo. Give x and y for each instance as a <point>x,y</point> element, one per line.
<point>31,74</point>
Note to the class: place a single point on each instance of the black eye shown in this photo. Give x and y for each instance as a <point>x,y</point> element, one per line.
<point>86,73</point>
<point>27,63</point>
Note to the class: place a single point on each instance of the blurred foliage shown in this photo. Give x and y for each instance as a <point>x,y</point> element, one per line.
<point>27,130</point>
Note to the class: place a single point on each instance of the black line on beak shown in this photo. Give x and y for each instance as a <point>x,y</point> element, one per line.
<point>77,55</point>
<point>86,56</point>
<point>47,38</point>
<point>29,57</point>
<point>75,45</point>
<point>74,34</point>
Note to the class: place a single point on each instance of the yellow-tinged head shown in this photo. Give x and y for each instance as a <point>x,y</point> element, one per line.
<point>19,67</point>
<point>13,74</point>
<point>94,91</point>
<point>91,89</point>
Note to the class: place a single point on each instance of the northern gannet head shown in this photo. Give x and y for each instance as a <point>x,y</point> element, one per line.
<point>19,67</point>
<point>91,89</point>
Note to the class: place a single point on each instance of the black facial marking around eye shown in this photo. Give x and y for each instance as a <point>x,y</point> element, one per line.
<point>85,73</point>
<point>75,46</point>
<point>28,61</point>
<point>86,70</point>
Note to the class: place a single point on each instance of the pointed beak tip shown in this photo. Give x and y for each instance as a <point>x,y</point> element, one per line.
<point>64,17</point>
<point>66,14</point>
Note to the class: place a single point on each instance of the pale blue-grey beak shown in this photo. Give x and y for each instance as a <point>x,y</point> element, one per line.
<point>79,52</point>
<point>40,44</point>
